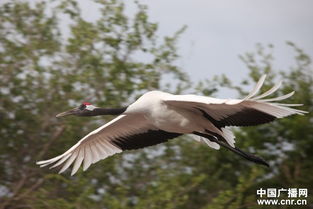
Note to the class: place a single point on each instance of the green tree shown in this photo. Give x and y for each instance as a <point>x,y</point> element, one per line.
<point>286,143</point>
<point>44,71</point>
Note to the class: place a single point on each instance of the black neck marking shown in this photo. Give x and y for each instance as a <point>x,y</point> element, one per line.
<point>104,111</point>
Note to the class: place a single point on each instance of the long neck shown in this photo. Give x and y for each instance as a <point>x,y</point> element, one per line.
<point>105,111</point>
<point>109,111</point>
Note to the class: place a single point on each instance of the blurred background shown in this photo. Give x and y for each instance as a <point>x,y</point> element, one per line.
<point>55,54</point>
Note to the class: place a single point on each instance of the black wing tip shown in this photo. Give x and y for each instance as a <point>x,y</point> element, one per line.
<point>145,139</point>
<point>246,117</point>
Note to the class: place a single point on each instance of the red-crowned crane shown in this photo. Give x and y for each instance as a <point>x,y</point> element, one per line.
<point>157,117</point>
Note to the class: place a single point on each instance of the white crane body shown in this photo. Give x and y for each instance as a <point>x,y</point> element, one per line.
<point>157,116</point>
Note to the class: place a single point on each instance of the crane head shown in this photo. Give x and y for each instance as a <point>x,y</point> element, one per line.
<point>83,110</point>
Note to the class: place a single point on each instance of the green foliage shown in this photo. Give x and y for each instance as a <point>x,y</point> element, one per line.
<point>240,196</point>
<point>110,61</point>
<point>286,143</point>
<point>45,70</point>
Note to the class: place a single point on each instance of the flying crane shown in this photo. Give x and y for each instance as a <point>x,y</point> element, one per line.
<point>157,117</point>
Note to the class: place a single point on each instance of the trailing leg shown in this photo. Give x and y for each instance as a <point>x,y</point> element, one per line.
<point>222,142</point>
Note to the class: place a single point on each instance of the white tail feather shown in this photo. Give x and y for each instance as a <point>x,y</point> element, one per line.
<point>229,136</point>
<point>211,144</point>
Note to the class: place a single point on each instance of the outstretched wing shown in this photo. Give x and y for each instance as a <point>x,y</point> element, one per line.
<point>125,132</point>
<point>252,110</point>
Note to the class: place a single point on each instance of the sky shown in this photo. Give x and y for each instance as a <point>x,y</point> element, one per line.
<point>221,30</point>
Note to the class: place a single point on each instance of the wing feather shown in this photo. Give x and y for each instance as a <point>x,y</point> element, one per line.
<point>95,156</point>
<point>103,149</point>
<point>256,88</point>
<point>278,98</point>
<point>88,157</point>
<point>60,161</point>
<point>252,110</point>
<point>134,131</point>
<point>69,162</point>
<point>269,92</point>
<point>98,151</point>
<point>78,161</point>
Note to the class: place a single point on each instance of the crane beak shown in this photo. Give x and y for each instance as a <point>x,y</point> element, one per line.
<point>69,112</point>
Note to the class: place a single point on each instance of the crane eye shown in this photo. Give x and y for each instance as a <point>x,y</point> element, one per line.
<point>82,107</point>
